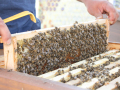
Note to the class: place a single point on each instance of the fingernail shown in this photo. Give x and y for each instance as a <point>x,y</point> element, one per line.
<point>99,17</point>
<point>8,42</point>
<point>111,22</point>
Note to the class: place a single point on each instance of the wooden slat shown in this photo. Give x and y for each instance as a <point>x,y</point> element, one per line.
<point>91,84</point>
<point>100,62</point>
<point>74,82</point>
<point>114,70</point>
<point>19,81</point>
<point>113,64</point>
<point>1,58</point>
<point>117,55</point>
<point>111,52</point>
<point>2,64</point>
<point>111,86</point>
<point>67,69</point>
<point>67,76</point>
<point>9,55</point>
<point>112,45</point>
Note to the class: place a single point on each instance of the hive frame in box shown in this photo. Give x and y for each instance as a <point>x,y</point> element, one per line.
<point>37,83</point>
<point>10,54</point>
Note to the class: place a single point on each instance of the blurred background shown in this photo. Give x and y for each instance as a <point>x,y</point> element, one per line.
<point>64,12</point>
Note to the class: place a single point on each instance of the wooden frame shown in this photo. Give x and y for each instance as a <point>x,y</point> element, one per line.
<point>2,64</point>
<point>10,56</point>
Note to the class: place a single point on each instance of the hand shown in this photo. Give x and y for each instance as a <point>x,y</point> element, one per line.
<point>5,33</point>
<point>99,7</point>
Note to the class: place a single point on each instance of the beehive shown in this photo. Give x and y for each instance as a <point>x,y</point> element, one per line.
<point>100,70</point>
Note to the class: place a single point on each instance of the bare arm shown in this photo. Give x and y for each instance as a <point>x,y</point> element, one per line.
<point>99,7</point>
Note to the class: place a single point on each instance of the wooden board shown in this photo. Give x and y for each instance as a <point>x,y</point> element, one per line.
<point>111,86</point>
<point>114,45</point>
<point>19,81</point>
<point>10,56</point>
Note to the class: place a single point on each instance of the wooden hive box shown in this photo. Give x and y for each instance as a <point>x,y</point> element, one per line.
<point>10,59</point>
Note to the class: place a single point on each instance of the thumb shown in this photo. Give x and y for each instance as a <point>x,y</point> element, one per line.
<point>5,33</point>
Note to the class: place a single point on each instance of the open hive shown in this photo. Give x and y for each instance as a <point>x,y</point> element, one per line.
<point>91,73</point>
<point>68,50</point>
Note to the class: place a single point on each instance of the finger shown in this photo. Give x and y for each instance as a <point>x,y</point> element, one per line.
<point>117,16</point>
<point>5,33</point>
<point>98,14</point>
<point>111,13</point>
<point>112,18</point>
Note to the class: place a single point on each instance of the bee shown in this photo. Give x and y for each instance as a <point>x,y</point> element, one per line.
<point>25,40</point>
<point>63,80</point>
<point>118,85</point>
<point>9,70</point>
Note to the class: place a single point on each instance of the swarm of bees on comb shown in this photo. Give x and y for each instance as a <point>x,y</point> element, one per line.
<point>58,48</point>
<point>91,73</point>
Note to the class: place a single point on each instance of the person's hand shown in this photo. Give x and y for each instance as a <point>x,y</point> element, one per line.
<point>99,7</point>
<point>5,33</point>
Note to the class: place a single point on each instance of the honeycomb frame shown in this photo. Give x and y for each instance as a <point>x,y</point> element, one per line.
<point>10,53</point>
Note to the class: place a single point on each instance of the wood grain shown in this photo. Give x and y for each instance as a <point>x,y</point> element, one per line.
<point>111,85</point>
<point>9,55</point>
<point>112,46</point>
<point>19,81</point>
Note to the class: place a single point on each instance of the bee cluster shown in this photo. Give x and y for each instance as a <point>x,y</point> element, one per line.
<point>59,48</point>
<point>102,74</point>
<point>93,75</point>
